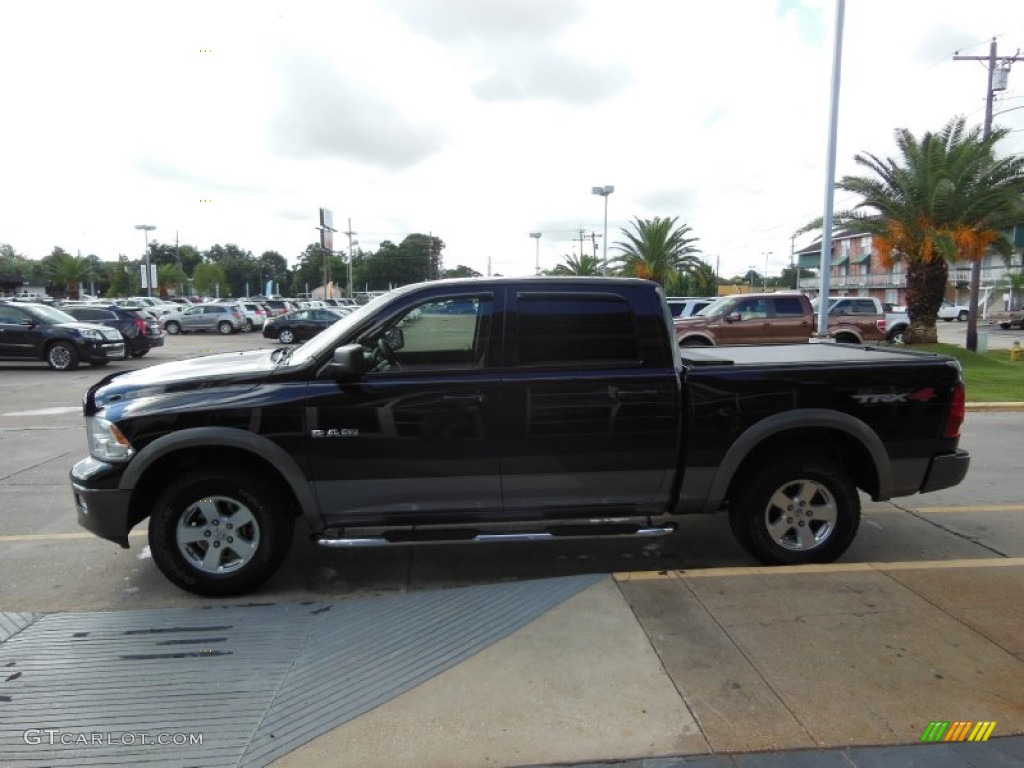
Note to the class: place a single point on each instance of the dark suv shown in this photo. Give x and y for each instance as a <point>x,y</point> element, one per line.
<point>141,333</point>
<point>39,332</point>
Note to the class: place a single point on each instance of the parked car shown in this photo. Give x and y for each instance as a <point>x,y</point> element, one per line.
<point>300,325</point>
<point>141,332</point>
<point>558,408</point>
<point>855,319</point>
<point>681,306</point>
<point>222,318</point>
<point>950,311</point>
<point>152,303</point>
<point>750,318</point>
<point>39,332</point>
<point>281,306</point>
<point>253,315</point>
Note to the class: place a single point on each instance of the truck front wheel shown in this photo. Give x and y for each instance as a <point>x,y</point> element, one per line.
<point>219,533</point>
<point>796,510</point>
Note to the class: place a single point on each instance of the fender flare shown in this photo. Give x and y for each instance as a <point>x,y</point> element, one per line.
<point>800,419</point>
<point>258,445</point>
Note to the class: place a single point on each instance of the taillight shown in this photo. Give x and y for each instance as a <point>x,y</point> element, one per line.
<point>957,409</point>
<point>880,324</point>
<point>140,324</point>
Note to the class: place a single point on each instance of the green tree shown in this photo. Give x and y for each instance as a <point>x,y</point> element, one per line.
<point>698,281</point>
<point>64,272</point>
<point>171,280</point>
<point>461,271</point>
<point>118,277</point>
<point>271,265</point>
<point>572,264</point>
<point>207,277</point>
<point>656,249</point>
<point>945,197</point>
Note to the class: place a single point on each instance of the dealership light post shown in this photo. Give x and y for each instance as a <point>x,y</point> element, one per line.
<point>603,192</point>
<point>146,229</point>
<point>536,236</point>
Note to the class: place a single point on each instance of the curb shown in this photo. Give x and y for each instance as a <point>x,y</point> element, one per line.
<point>995,407</point>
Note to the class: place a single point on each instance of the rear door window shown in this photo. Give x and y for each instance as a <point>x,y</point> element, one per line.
<point>572,328</point>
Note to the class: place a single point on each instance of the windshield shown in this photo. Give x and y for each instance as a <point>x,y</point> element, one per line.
<point>49,314</point>
<point>717,307</point>
<point>327,338</point>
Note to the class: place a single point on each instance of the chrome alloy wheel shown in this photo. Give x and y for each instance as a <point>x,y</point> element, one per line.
<point>217,534</point>
<point>801,515</point>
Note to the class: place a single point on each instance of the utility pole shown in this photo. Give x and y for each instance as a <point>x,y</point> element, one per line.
<point>975,289</point>
<point>349,232</point>
<point>792,262</point>
<point>593,239</point>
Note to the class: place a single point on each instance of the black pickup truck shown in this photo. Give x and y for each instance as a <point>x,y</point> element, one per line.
<point>508,409</point>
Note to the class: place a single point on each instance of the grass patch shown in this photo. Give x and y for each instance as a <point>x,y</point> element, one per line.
<point>990,378</point>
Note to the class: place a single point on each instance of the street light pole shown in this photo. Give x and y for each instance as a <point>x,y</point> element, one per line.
<point>147,228</point>
<point>604,192</point>
<point>536,236</point>
<point>765,279</point>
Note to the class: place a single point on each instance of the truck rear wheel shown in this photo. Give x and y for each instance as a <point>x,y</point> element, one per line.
<point>219,533</point>
<point>796,510</point>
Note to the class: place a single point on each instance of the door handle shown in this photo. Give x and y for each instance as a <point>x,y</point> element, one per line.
<point>462,399</point>
<point>632,395</point>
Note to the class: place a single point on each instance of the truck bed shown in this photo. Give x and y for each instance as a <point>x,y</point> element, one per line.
<point>797,354</point>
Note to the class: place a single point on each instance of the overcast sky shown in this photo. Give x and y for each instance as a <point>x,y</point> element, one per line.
<point>479,121</point>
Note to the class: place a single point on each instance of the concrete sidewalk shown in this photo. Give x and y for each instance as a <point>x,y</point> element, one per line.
<point>724,661</point>
<point>833,665</point>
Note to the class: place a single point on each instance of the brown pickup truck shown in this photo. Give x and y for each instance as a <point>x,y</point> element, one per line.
<point>751,318</point>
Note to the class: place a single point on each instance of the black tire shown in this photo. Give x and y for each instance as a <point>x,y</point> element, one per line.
<point>207,502</point>
<point>816,528</point>
<point>247,327</point>
<point>896,335</point>
<point>287,336</point>
<point>847,338</point>
<point>173,327</point>
<point>694,341</point>
<point>62,356</point>
<point>962,317</point>
<point>1021,325</point>
<point>140,353</point>
<point>225,328</point>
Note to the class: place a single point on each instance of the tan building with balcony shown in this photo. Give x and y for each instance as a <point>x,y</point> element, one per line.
<point>858,271</point>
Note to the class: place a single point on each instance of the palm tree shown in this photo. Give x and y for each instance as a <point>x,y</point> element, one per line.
<point>67,271</point>
<point>946,197</point>
<point>578,265</point>
<point>657,249</point>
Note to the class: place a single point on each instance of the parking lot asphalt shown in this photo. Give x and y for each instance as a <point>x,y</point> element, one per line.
<point>704,661</point>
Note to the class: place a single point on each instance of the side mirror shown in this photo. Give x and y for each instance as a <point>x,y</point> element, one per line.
<point>348,363</point>
<point>734,317</point>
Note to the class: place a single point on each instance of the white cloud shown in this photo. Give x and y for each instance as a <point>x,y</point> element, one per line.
<point>477,120</point>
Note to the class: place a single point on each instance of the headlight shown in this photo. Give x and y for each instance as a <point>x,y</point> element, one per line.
<point>106,441</point>
<point>89,333</point>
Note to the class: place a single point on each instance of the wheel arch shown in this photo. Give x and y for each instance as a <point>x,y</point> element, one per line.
<point>146,476</point>
<point>704,339</point>
<point>844,437</point>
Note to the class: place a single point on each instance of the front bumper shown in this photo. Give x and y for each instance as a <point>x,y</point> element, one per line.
<point>97,351</point>
<point>946,470</point>
<point>101,505</point>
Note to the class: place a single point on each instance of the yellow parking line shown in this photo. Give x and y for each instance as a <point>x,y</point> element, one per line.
<point>792,570</point>
<point>57,536</point>
<point>973,508</point>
